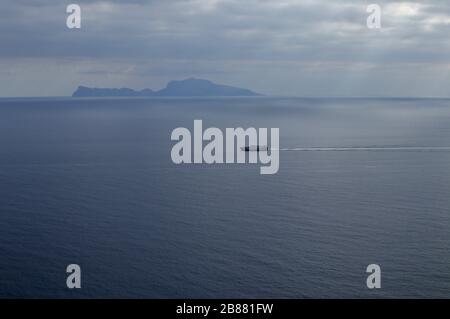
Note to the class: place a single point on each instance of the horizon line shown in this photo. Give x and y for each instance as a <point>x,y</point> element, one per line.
<point>218,96</point>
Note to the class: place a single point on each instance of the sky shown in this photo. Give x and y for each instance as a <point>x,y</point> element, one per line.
<point>275,47</point>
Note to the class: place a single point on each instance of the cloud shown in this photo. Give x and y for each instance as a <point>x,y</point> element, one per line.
<point>239,42</point>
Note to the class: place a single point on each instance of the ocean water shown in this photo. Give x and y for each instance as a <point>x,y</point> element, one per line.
<point>91,182</point>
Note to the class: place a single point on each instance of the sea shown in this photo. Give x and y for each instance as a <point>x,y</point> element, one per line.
<point>91,182</point>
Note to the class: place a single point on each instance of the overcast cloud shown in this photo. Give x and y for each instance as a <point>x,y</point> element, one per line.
<point>279,47</point>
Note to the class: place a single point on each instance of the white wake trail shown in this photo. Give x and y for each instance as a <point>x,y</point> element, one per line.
<point>368,148</point>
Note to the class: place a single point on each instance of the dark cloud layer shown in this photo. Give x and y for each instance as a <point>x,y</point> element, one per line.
<point>309,47</point>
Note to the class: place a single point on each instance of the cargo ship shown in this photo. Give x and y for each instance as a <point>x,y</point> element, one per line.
<point>255,148</point>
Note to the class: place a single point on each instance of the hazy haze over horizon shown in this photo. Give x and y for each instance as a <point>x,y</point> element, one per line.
<point>284,47</point>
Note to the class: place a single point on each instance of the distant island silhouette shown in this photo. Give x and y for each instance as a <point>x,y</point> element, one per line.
<point>188,87</point>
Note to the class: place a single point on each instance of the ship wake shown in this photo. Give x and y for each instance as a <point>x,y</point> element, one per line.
<point>370,148</point>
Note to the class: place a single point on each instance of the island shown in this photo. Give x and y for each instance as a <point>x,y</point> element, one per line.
<point>190,88</point>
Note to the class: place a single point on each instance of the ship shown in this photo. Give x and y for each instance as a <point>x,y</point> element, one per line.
<point>255,148</point>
